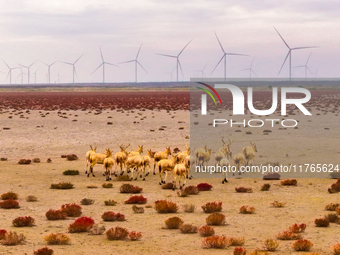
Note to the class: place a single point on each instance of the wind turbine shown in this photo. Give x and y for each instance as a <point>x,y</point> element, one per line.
<point>250,69</point>
<point>35,76</point>
<point>28,70</point>
<point>224,57</point>
<point>306,66</point>
<point>73,65</point>
<point>177,58</point>
<point>136,62</point>
<point>49,71</point>
<point>10,72</point>
<point>202,70</point>
<point>103,64</point>
<point>22,76</point>
<point>289,54</point>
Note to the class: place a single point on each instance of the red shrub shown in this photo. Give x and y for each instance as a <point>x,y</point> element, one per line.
<point>298,228</point>
<point>136,200</point>
<point>44,251</point>
<point>2,233</point>
<point>206,231</point>
<point>81,224</point>
<point>9,204</point>
<point>129,188</point>
<point>117,233</point>
<point>335,187</point>
<point>302,245</point>
<point>134,236</point>
<point>55,215</point>
<point>191,190</point>
<point>26,221</point>
<point>243,190</point>
<point>289,182</point>
<point>215,242</point>
<point>240,251</point>
<point>111,216</point>
<point>71,210</point>
<point>164,206</point>
<point>9,195</point>
<point>204,187</point>
<point>246,209</point>
<point>211,207</point>
<point>321,222</point>
<point>288,235</point>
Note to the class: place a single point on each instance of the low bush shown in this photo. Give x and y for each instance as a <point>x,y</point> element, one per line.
<point>211,207</point>
<point>189,208</point>
<point>71,172</point>
<point>239,251</point>
<point>173,222</point>
<point>321,222</point>
<point>216,219</point>
<point>87,201</point>
<point>117,233</point>
<point>129,188</point>
<point>331,206</point>
<point>243,190</point>
<point>9,204</point>
<point>43,251</point>
<point>57,239</point>
<point>55,215</point>
<point>111,216</point>
<point>62,185</point>
<point>278,204</point>
<point>204,187</point>
<point>298,228</point>
<point>134,236</point>
<point>259,252</point>
<point>12,238</point>
<point>24,161</point>
<point>31,198</point>
<point>332,217</point>
<point>2,233</point>
<point>107,185</point>
<point>182,193</point>
<point>272,176</point>
<point>289,182</point>
<point>97,229</point>
<point>110,202</point>
<point>71,157</point>
<point>92,186</point>
<point>71,210</point>
<point>136,200</point>
<point>168,185</point>
<point>302,245</point>
<point>288,235</point>
<point>246,209</point>
<point>82,224</point>
<point>165,206</point>
<point>26,221</point>
<point>270,245</point>
<point>188,229</point>
<point>265,187</point>
<point>191,190</point>
<point>215,242</point>
<point>205,231</point>
<point>335,187</point>
<point>336,249</point>
<point>235,241</point>
<point>137,209</point>
<point>123,178</point>
<point>9,195</point>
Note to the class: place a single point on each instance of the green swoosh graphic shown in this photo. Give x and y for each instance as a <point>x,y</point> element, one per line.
<point>206,91</point>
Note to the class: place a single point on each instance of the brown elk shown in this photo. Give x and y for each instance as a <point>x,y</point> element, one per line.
<point>87,156</point>
<point>137,152</point>
<point>108,164</point>
<point>249,153</point>
<point>159,155</point>
<point>180,172</point>
<point>120,157</point>
<point>96,158</point>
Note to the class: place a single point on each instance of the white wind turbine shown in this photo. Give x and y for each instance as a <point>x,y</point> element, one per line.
<point>136,63</point>
<point>49,71</point>
<point>289,54</point>
<point>103,64</point>
<point>306,66</point>
<point>202,70</point>
<point>28,71</point>
<point>21,75</point>
<point>10,72</point>
<point>250,69</point>
<point>178,63</point>
<point>73,66</point>
<point>35,76</point>
<point>170,74</point>
<point>224,57</point>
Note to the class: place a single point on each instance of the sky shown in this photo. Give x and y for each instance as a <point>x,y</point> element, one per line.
<point>63,30</point>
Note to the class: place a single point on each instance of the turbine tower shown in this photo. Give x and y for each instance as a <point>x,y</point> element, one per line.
<point>10,72</point>
<point>178,64</point>
<point>73,65</point>
<point>224,57</point>
<point>250,69</point>
<point>306,66</point>
<point>35,76</point>
<point>49,71</point>
<point>289,54</point>
<point>103,64</point>
<point>136,62</point>
<point>28,71</point>
<point>202,70</point>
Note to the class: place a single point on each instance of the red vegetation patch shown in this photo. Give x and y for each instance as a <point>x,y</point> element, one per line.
<point>298,228</point>
<point>9,195</point>
<point>44,251</point>
<point>117,233</point>
<point>215,242</point>
<point>211,207</point>
<point>24,161</point>
<point>9,204</point>
<point>165,206</point>
<point>136,200</point>
<point>2,233</point>
<point>55,215</point>
<point>289,182</point>
<point>129,188</point>
<point>111,216</point>
<point>134,236</point>
<point>82,224</point>
<point>205,231</point>
<point>240,251</point>
<point>335,187</point>
<point>204,187</point>
<point>243,190</point>
<point>71,210</point>
<point>26,221</point>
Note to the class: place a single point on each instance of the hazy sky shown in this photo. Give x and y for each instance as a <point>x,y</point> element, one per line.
<point>63,30</point>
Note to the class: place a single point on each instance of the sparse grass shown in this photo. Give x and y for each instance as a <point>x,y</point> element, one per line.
<point>215,242</point>
<point>321,222</point>
<point>110,202</point>
<point>236,241</point>
<point>62,185</point>
<point>191,190</point>
<point>243,190</point>
<point>302,245</point>
<point>188,229</point>
<point>165,206</point>
<point>211,207</point>
<point>278,204</point>
<point>11,238</point>
<point>173,222</point>
<point>331,206</point>
<point>9,195</point>
<point>265,187</point>
<point>205,231</point>
<point>117,233</point>
<point>71,172</point>
<point>87,201</point>
<point>137,209</point>
<point>189,208</point>
<point>57,239</point>
<point>107,185</point>
<point>288,235</point>
<point>216,219</point>
<point>26,221</point>
<point>129,188</point>
<point>31,198</point>
<point>332,217</point>
<point>97,229</point>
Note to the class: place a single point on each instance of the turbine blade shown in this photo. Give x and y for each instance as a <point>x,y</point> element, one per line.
<point>138,51</point>
<point>184,48</point>
<point>253,72</point>
<point>309,70</point>
<point>219,42</point>
<point>236,54</point>
<point>252,62</point>
<point>126,62</point>
<point>308,57</point>
<point>32,64</point>
<point>282,38</point>
<point>284,61</point>
<point>78,59</point>
<point>299,66</point>
<point>101,54</point>
<point>97,68</point>
<point>218,63</point>
<point>165,55</point>
<point>110,64</point>
<point>180,67</point>
<point>6,65</point>
<point>67,63</point>
<point>141,66</point>
<point>300,48</point>
<point>53,63</point>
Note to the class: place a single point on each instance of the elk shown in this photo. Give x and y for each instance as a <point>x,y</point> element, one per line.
<point>137,152</point>
<point>108,164</point>
<point>147,160</point>
<point>249,153</point>
<point>180,172</point>
<point>203,157</point>
<point>166,165</point>
<point>182,155</point>
<point>239,159</point>
<point>135,162</point>
<point>87,156</point>
<point>225,163</point>
<point>223,152</point>
<point>159,155</point>
<point>200,151</point>
<point>120,157</point>
<point>187,165</point>
<point>96,158</point>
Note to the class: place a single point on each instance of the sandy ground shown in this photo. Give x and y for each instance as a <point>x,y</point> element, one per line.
<point>51,136</point>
